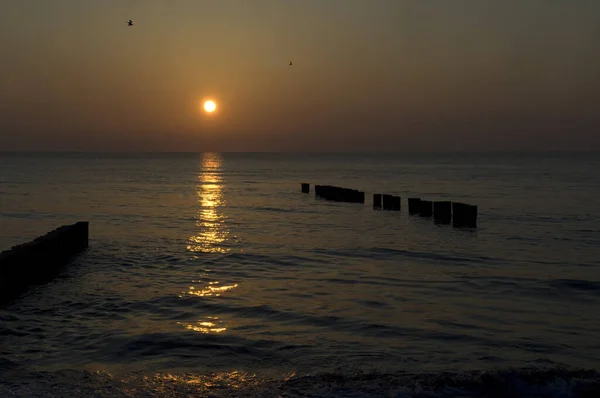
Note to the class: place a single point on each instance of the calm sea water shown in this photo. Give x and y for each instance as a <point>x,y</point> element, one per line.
<point>212,275</point>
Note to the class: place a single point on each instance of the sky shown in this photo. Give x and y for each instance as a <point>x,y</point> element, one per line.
<point>372,75</point>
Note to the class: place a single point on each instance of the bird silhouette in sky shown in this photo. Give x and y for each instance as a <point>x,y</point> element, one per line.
<point>290,63</point>
<point>130,23</point>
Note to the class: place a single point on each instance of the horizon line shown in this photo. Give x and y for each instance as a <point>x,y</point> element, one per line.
<point>341,152</point>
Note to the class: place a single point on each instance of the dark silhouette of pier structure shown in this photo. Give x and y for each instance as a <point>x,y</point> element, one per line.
<point>460,215</point>
<point>38,261</point>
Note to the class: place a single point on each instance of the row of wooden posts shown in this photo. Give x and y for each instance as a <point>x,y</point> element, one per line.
<point>37,261</point>
<point>445,212</point>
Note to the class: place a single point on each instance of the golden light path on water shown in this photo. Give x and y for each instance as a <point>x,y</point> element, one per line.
<point>212,233</point>
<point>210,325</point>
<point>212,230</point>
<point>210,290</point>
<point>214,385</point>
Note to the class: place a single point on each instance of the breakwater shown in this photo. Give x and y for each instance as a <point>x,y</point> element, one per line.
<point>37,261</point>
<point>461,215</point>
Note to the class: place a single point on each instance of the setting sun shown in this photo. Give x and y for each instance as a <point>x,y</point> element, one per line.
<point>210,106</point>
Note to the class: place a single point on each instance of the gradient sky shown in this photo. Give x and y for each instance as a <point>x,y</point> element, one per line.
<point>366,75</point>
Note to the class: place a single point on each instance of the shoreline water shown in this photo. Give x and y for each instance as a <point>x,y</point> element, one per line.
<point>554,382</point>
<point>201,263</point>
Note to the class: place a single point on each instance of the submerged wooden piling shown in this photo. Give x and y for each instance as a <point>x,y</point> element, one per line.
<point>347,195</point>
<point>357,196</point>
<point>361,197</point>
<point>377,201</point>
<point>387,202</point>
<point>459,214</point>
<point>338,194</point>
<point>442,211</point>
<point>396,203</point>
<point>318,190</point>
<point>414,205</point>
<point>36,261</point>
<point>323,191</point>
<point>464,215</point>
<point>350,195</point>
<point>426,208</point>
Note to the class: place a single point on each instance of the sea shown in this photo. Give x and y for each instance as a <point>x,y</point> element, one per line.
<point>213,275</point>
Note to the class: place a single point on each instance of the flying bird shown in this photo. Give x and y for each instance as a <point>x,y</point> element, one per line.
<point>130,23</point>
<point>290,63</point>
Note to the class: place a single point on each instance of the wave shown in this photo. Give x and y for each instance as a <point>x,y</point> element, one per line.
<point>281,210</point>
<point>525,382</point>
<point>382,252</point>
<point>576,286</point>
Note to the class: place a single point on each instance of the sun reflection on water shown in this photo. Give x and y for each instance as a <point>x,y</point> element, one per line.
<point>208,383</point>
<point>211,290</point>
<point>212,237</point>
<point>183,384</point>
<point>211,223</point>
<point>210,325</point>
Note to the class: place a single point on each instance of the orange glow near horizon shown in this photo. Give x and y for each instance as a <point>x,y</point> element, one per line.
<point>401,78</point>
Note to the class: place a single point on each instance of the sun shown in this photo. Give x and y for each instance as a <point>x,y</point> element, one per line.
<point>210,106</point>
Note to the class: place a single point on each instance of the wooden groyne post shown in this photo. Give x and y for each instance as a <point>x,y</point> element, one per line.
<point>396,203</point>
<point>464,215</point>
<point>377,201</point>
<point>414,205</point>
<point>459,214</point>
<point>426,208</point>
<point>338,194</point>
<point>358,196</point>
<point>442,212</point>
<point>323,191</point>
<point>36,261</point>
<point>387,202</point>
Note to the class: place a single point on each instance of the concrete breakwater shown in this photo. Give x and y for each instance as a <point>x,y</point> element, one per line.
<point>37,261</point>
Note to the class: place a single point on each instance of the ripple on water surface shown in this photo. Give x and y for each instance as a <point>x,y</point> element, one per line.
<point>215,271</point>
